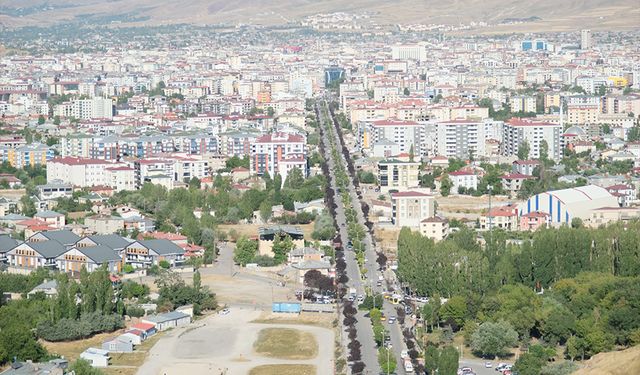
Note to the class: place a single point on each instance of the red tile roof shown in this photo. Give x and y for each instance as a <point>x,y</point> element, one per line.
<point>409,194</point>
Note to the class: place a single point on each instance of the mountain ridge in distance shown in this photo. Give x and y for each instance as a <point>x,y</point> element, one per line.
<point>545,14</point>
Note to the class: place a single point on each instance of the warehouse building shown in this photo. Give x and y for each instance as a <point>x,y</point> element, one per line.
<point>564,205</point>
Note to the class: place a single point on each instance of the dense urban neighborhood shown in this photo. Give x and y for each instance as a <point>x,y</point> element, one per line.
<point>329,196</point>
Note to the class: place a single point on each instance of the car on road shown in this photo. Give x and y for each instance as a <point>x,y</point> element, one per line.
<point>350,299</point>
<point>404,354</point>
<point>392,319</point>
<point>488,364</point>
<point>379,283</point>
<point>360,298</point>
<point>224,312</point>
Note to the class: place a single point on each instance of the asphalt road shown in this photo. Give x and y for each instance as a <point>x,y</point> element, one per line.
<point>365,333</point>
<point>363,325</point>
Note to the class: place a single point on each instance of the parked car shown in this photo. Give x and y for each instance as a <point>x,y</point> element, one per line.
<point>488,364</point>
<point>392,319</point>
<point>224,312</point>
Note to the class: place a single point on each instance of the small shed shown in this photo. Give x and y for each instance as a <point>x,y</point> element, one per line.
<point>96,357</point>
<point>118,344</point>
<point>168,320</point>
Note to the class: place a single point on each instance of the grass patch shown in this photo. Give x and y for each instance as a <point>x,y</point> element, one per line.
<point>71,349</point>
<point>307,319</point>
<point>286,343</point>
<point>283,370</point>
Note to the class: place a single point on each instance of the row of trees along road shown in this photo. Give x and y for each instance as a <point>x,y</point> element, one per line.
<point>588,299</point>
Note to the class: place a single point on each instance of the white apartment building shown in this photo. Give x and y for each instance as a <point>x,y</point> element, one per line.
<point>410,208</point>
<point>399,175</point>
<point>516,131</point>
<point>86,108</point>
<point>416,52</point>
<point>406,134</point>
<point>463,179</point>
<point>460,139</point>
<point>84,172</point>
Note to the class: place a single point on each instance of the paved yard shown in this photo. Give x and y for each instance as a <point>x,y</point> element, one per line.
<point>218,342</point>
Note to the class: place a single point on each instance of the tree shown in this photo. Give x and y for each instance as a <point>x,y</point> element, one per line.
<point>41,120</point>
<point>387,360</point>
<point>544,151</point>
<point>454,311</point>
<point>523,150</point>
<point>448,362</point>
<point>245,251</point>
<point>83,367</point>
<point>19,342</point>
<point>445,185</point>
<point>431,359</point>
<point>56,120</point>
<point>492,339</point>
<point>28,207</point>
<point>282,244</point>
<point>295,179</point>
<point>406,91</point>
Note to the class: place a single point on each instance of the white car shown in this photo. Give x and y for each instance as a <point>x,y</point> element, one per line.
<point>488,364</point>
<point>224,312</point>
<point>404,354</point>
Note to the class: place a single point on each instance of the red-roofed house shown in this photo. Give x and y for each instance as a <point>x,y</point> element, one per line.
<point>409,208</point>
<point>505,217</point>
<point>534,220</point>
<point>626,194</point>
<point>463,179</point>
<point>524,166</point>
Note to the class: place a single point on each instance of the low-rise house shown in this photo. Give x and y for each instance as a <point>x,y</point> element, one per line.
<point>54,190</point>
<point>303,267</point>
<point>305,253</point>
<point>91,258</point>
<point>176,238</point>
<point>607,215</point>
<point>626,194</point>
<point>315,206</point>
<point>96,357</point>
<point>505,217</point>
<point>104,224</point>
<point>10,220</point>
<point>463,180</point>
<point>11,180</point>
<point>112,241</point>
<point>524,166</point>
<point>409,208</point>
<point>149,329</point>
<point>52,218</point>
<point>532,221</point>
<point>6,243</point>
<point>146,253</point>
<point>8,206</point>
<point>48,287</point>
<point>512,182</point>
<point>172,319</point>
<point>64,237</point>
<point>266,235</point>
<point>119,344</point>
<point>32,255</point>
<point>53,367</point>
<point>435,228</point>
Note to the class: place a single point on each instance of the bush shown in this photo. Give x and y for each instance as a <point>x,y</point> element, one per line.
<point>135,311</point>
<point>164,264</point>
<point>69,329</point>
<point>265,261</point>
<point>127,268</point>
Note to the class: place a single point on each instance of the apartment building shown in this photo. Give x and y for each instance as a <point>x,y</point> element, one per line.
<point>394,174</point>
<point>463,180</point>
<point>410,208</point>
<point>146,253</point>
<point>86,108</point>
<point>460,139</point>
<point>278,153</point>
<point>517,131</point>
<point>523,104</point>
<point>435,228</point>
<point>408,135</point>
<point>34,154</point>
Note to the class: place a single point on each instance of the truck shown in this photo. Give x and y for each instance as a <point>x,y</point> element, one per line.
<point>286,307</point>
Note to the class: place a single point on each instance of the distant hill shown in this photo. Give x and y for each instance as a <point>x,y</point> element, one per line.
<point>560,14</point>
<point>623,362</point>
